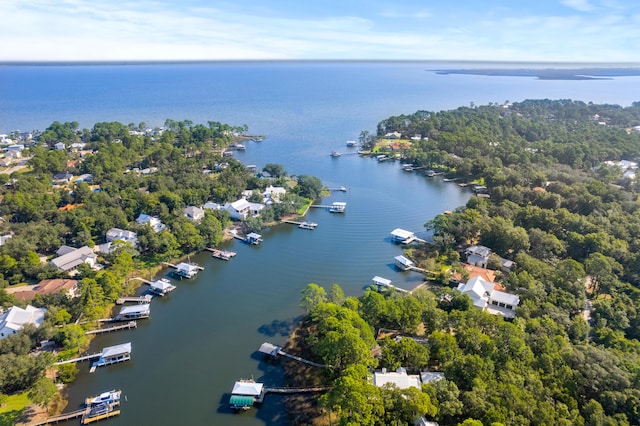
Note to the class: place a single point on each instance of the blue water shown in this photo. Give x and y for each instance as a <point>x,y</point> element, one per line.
<point>203,337</point>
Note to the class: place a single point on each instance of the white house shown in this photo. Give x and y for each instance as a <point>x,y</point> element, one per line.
<point>60,146</point>
<point>238,210</point>
<point>210,205</point>
<point>194,213</point>
<point>70,258</point>
<point>114,234</point>
<point>272,194</point>
<point>478,255</point>
<point>153,222</point>
<point>399,378</point>
<point>15,318</point>
<point>485,297</point>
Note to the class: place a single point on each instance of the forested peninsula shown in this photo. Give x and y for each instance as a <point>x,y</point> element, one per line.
<point>557,201</point>
<point>126,198</point>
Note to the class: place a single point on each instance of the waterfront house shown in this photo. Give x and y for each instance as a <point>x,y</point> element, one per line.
<point>256,208</point>
<point>272,194</point>
<point>210,205</point>
<point>114,234</point>
<point>70,258</point>
<point>12,321</point>
<point>402,236</point>
<point>484,296</point>
<point>238,210</point>
<point>194,213</point>
<point>474,271</point>
<point>134,312</point>
<point>403,263</point>
<point>152,221</point>
<point>478,255</point>
<point>399,378</point>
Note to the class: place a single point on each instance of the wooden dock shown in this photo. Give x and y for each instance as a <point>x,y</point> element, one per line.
<point>171,265</point>
<point>221,254</point>
<point>340,188</point>
<point>127,326</point>
<point>79,359</point>
<point>302,225</point>
<point>265,391</point>
<point>274,350</point>
<point>61,418</point>
<point>136,299</point>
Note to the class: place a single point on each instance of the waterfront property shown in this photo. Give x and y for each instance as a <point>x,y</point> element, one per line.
<point>69,258</point>
<point>112,396</point>
<point>399,378</point>
<point>132,312</point>
<point>403,263</point>
<point>161,287</point>
<point>12,321</point>
<point>152,221</point>
<point>113,355</point>
<point>485,297</point>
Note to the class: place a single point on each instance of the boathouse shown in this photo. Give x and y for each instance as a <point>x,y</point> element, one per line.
<point>253,238</point>
<point>269,349</point>
<point>338,207</point>
<point>134,312</point>
<point>403,263</point>
<point>186,270</point>
<point>244,394</point>
<point>402,236</point>
<point>381,282</point>
<point>114,354</point>
<point>161,287</point>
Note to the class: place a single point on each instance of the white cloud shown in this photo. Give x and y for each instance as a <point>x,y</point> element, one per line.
<point>152,30</point>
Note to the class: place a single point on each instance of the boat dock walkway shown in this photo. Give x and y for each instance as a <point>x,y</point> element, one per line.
<point>274,351</point>
<point>127,326</point>
<point>303,225</point>
<point>61,418</point>
<point>78,359</point>
<point>266,390</point>
<point>136,299</point>
<point>221,254</point>
<point>340,188</point>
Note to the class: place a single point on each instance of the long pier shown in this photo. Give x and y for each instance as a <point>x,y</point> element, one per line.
<point>266,390</point>
<point>127,326</point>
<point>61,418</point>
<point>273,350</point>
<point>136,299</point>
<point>78,359</point>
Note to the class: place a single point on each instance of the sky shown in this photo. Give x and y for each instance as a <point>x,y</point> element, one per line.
<point>479,30</point>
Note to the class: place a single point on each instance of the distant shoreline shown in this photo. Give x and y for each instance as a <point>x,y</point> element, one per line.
<point>601,73</point>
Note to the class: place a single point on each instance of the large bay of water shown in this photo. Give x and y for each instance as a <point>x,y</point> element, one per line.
<point>204,336</point>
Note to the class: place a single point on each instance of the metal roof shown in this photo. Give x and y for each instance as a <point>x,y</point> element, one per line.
<point>111,351</point>
<point>381,281</point>
<point>241,400</point>
<point>134,309</point>
<point>401,233</point>
<point>247,388</point>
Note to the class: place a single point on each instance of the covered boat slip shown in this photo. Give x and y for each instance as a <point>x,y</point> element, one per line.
<point>403,236</point>
<point>134,312</point>
<point>244,394</point>
<point>161,287</point>
<point>112,355</point>
<point>240,402</point>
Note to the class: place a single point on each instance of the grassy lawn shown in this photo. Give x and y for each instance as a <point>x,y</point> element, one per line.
<point>12,407</point>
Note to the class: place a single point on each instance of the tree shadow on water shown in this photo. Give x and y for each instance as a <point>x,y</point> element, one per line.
<point>279,327</point>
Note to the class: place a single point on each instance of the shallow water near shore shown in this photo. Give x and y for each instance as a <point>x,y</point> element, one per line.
<point>204,336</point>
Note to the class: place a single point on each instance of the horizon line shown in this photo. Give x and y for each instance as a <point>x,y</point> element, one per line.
<point>607,64</point>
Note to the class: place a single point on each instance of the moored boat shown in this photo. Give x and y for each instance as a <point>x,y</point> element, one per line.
<point>307,225</point>
<point>109,397</point>
<point>335,154</point>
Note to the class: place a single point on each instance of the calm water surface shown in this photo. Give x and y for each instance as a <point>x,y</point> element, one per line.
<point>204,336</point>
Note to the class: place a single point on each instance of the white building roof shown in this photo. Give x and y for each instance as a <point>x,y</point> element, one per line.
<point>112,351</point>
<point>72,259</point>
<point>121,234</point>
<point>247,388</point>
<point>154,222</point>
<point>16,317</point>
<point>162,285</point>
<point>404,261</point>
<point>401,233</point>
<point>381,281</point>
<point>401,379</point>
<point>134,309</point>
<point>431,376</point>
<point>240,205</point>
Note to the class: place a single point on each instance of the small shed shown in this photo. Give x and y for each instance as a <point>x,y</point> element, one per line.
<point>403,263</point>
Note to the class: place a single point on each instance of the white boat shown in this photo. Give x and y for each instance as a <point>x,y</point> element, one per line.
<point>240,147</point>
<point>307,225</point>
<point>109,397</point>
<point>352,144</point>
<point>335,154</point>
